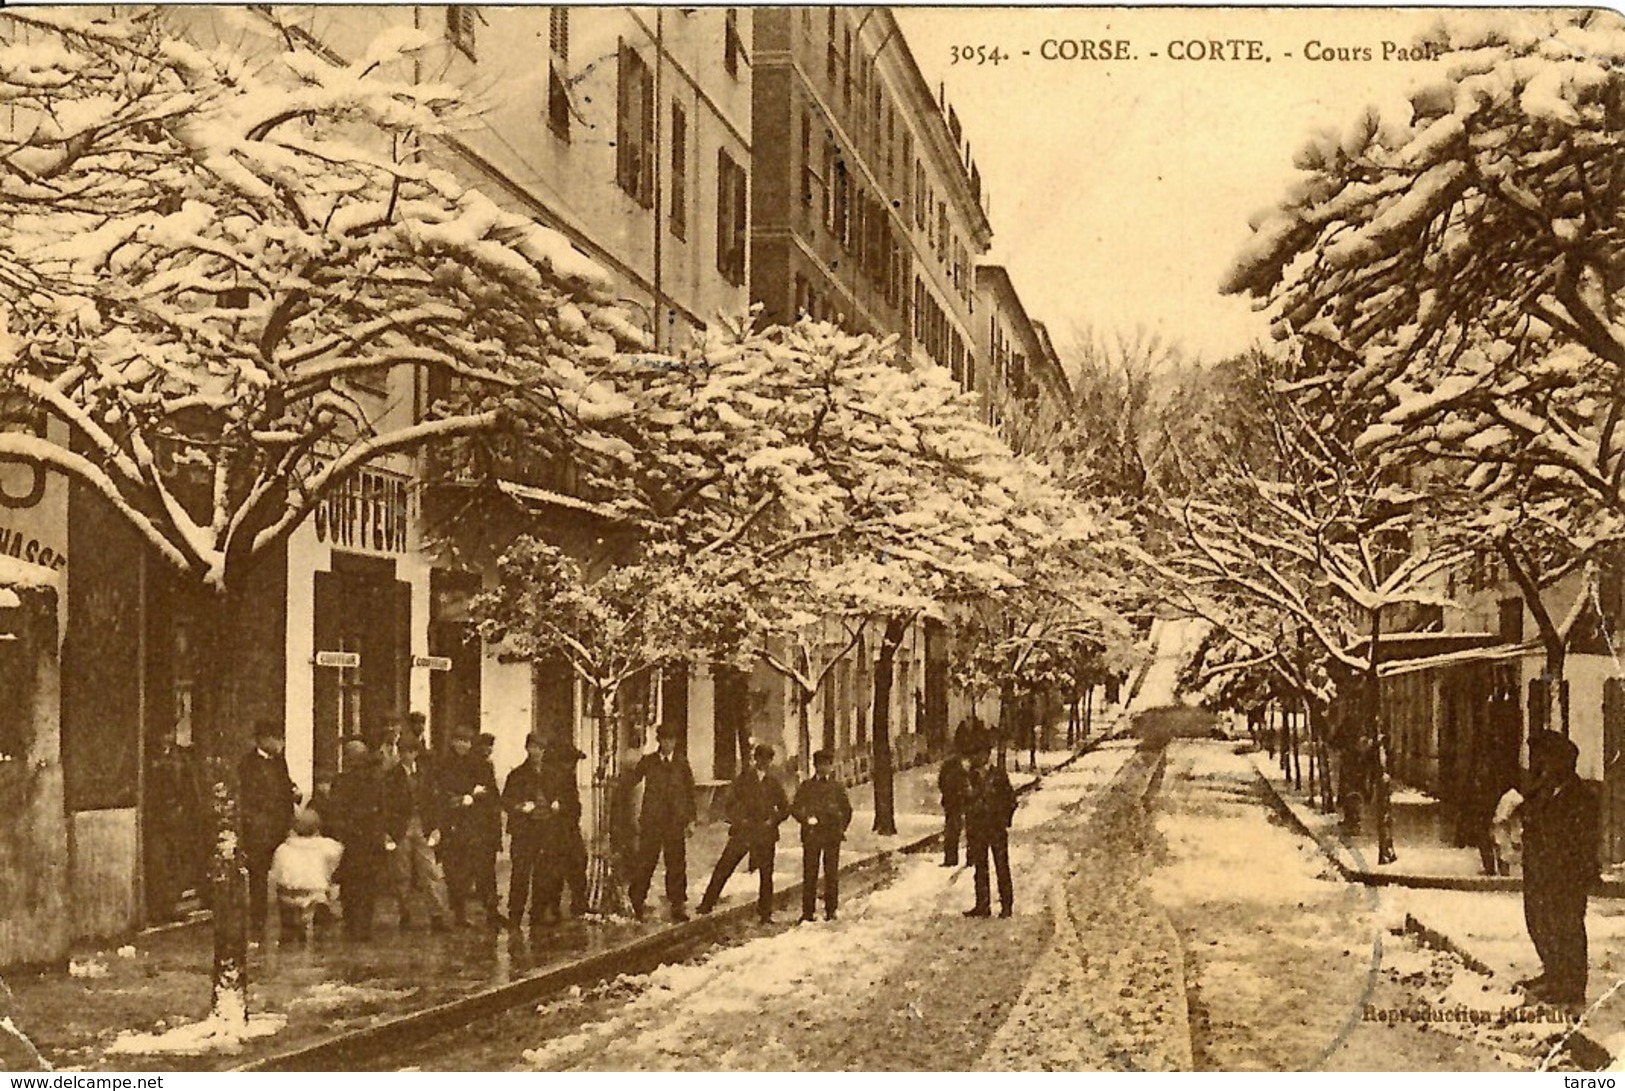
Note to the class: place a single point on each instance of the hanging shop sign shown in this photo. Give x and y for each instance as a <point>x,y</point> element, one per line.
<point>369,511</point>
<point>432,662</point>
<point>350,660</point>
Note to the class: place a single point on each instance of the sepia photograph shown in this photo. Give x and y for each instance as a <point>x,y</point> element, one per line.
<point>811,539</point>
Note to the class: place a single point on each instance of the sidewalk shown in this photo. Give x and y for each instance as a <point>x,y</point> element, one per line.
<point>1425,856</point>
<point>90,1017</point>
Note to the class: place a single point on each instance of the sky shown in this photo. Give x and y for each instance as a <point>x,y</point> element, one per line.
<point>1120,190</point>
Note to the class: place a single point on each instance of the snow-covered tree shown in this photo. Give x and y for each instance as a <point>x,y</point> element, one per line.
<point>656,609</point>
<point>1323,537</point>
<point>208,267</point>
<point>1458,264</point>
<point>1458,269</point>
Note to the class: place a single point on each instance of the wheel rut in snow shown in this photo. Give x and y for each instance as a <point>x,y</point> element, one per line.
<point>1108,994</point>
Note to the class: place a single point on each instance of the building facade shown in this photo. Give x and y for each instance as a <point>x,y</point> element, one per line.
<point>708,160</point>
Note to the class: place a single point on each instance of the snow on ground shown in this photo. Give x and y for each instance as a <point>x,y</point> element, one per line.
<point>337,994</point>
<point>1174,641</point>
<point>1216,850</point>
<point>1063,790</point>
<point>900,980</point>
<point>822,963</point>
<point>213,1035</point>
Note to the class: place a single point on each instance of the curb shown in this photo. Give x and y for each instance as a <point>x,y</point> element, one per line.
<point>330,1054</point>
<point>1334,850</point>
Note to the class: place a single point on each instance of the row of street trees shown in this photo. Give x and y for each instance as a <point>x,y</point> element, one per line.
<point>210,267</point>
<point>1449,381</point>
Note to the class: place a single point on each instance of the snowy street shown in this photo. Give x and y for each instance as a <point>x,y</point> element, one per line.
<point>1191,931</point>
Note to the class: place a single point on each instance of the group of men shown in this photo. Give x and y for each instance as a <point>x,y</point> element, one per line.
<point>423,828</point>
<point>426,828</point>
<point>756,807</point>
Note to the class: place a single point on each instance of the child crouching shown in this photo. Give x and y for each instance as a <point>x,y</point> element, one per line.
<point>302,873</point>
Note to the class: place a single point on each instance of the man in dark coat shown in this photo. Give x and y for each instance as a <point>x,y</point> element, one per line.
<point>415,813</point>
<point>564,853</point>
<point>990,804</point>
<point>824,811</point>
<point>468,792</point>
<point>756,806</point>
<point>266,800</point>
<point>488,844</point>
<point>951,783</point>
<point>663,822</point>
<point>1559,867</point>
<point>358,820</point>
<point>525,798</point>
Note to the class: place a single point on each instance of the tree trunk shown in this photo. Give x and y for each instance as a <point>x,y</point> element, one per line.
<point>1384,800</point>
<point>1557,690</point>
<point>880,727</point>
<point>1309,740</point>
<point>1029,724</point>
<point>1088,710</point>
<point>1007,700</point>
<point>605,898</point>
<point>217,717</point>
<point>1297,749</point>
<point>804,697</point>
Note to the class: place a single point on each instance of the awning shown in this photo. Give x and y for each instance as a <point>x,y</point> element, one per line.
<point>1495,653</point>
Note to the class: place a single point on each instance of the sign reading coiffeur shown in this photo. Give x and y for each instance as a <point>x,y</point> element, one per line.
<point>369,511</point>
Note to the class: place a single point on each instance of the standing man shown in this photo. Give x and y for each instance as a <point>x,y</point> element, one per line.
<point>267,799</point>
<point>524,797</point>
<point>824,811</point>
<point>952,783</point>
<point>1559,867</point>
<point>359,822</point>
<point>564,853</point>
<point>990,805</point>
<point>488,842</point>
<point>414,829</point>
<point>667,813</point>
<point>756,806</point>
<point>468,793</point>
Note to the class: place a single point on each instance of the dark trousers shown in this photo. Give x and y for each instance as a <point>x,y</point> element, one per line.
<point>485,877</point>
<point>733,852</point>
<point>652,845</point>
<point>953,832</point>
<point>460,863</point>
<point>362,872</point>
<point>527,882</point>
<point>825,855</point>
<point>997,845</point>
<point>257,858</point>
<point>1556,918</point>
<point>564,863</point>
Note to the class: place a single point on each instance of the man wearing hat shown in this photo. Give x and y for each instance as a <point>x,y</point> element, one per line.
<point>489,842</point>
<point>1559,867</point>
<point>525,798</point>
<point>564,853</point>
<point>415,812</point>
<point>667,812</point>
<point>468,792</point>
<point>267,797</point>
<point>756,807</point>
<point>824,811</point>
<point>990,804</point>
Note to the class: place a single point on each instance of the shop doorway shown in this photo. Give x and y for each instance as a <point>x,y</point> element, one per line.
<point>363,628</point>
